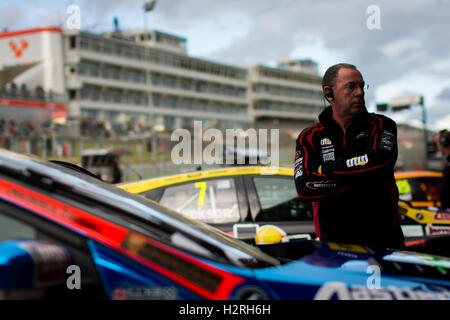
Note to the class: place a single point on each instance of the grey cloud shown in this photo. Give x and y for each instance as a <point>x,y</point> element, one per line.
<point>10,17</point>
<point>342,26</point>
<point>413,35</point>
<point>445,95</point>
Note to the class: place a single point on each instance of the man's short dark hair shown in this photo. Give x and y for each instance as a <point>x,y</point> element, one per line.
<point>330,76</point>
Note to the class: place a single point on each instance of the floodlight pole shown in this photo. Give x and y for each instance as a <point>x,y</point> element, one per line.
<point>148,6</point>
<point>425,133</point>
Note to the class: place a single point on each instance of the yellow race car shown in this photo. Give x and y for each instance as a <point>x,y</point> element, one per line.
<point>419,202</point>
<point>419,188</point>
<point>237,200</point>
<point>241,200</point>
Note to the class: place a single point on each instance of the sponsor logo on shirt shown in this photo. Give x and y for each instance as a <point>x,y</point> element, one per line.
<point>357,161</point>
<point>327,149</point>
<point>321,185</point>
<point>299,161</point>
<point>361,135</point>
<point>328,156</point>
<point>298,167</point>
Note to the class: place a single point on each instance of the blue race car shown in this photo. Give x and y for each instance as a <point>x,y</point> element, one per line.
<point>65,234</point>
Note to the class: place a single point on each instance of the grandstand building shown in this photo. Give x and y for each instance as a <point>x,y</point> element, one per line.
<point>131,83</point>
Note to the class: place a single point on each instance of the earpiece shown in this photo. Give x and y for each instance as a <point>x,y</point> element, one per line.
<point>329,94</point>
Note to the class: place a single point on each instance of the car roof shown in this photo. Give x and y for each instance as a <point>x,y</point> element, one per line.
<point>143,185</point>
<point>417,174</point>
<point>104,152</point>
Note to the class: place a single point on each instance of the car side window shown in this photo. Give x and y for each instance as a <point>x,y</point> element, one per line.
<point>419,189</point>
<point>211,201</point>
<point>14,229</point>
<point>279,201</point>
<point>431,187</point>
<point>405,189</point>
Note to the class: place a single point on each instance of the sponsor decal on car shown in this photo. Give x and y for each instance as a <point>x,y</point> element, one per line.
<point>437,229</point>
<point>442,216</point>
<point>340,291</point>
<point>145,293</point>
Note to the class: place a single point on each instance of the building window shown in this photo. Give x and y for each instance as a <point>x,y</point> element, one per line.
<point>72,94</point>
<point>72,42</point>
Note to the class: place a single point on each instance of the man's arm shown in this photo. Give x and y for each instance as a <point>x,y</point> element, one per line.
<point>379,155</point>
<point>310,183</point>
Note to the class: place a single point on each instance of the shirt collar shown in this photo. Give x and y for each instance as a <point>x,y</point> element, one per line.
<point>326,116</point>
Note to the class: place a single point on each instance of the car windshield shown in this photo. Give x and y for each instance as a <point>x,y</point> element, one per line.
<point>138,214</point>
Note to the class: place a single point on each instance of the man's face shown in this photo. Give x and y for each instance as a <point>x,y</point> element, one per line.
<point>349,93</point>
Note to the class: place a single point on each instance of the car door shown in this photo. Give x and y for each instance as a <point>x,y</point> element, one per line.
<point>274,200</point>
<point>220,202</point>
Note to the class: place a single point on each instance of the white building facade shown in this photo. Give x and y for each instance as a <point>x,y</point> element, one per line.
<point>141,81</point>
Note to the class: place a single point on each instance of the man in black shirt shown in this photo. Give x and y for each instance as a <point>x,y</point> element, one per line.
<point>345,163</point>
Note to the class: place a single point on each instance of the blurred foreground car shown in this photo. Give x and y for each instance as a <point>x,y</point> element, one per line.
<point>66,234</point>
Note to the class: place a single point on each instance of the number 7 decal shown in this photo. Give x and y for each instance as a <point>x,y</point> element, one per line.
<point>201,196</point>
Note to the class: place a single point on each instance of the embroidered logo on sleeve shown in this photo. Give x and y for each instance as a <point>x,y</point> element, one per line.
<point>387,141</point>
<point>298,167</point>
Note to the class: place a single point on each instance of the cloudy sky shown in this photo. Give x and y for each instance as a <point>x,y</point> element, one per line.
<point>400,46</point>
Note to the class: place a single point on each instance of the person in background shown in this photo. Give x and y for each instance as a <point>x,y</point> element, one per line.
<point>115,172</point>
<point>442,140</point>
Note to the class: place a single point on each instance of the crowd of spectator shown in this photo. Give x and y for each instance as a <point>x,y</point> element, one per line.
<point>12,90</point>
<point>25,133</point>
